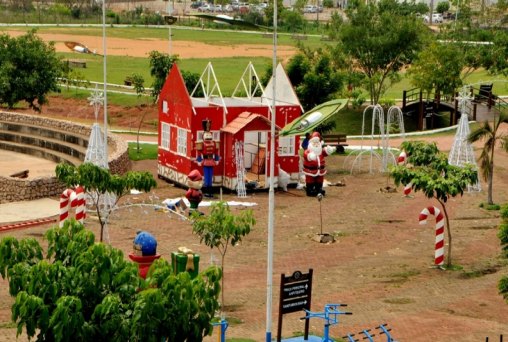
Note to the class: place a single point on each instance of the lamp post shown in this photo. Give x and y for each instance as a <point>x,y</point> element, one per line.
<point>271,191</point>
<point>105,85</point>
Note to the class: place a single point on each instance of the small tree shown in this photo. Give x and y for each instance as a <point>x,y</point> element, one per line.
<point>85,291</point>
<point>442,7</point>
<point>502,234</point>
<point>29,69</point>
<point>98,181</point>
<point>160,64</point>
<point>428,171</point>
<point>137,82</point>
<point>220,229</point>
<point>491,136</point>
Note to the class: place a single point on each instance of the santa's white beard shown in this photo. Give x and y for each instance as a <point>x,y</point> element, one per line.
<point>316,149</point>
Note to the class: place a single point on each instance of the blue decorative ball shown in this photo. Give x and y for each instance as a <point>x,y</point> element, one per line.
<point>146,243</point>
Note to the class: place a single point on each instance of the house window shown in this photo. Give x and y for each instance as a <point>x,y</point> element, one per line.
<point>182,142</point>
<point>165,107</point>
<point>286,146</point>
<point>165,136</point>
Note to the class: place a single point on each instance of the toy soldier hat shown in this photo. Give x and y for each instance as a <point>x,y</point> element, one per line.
<point>195,176</point>
<point>206,125</point>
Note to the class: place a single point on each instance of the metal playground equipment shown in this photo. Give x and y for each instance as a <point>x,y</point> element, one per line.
<point>369,335</point>
<point>330,316</point>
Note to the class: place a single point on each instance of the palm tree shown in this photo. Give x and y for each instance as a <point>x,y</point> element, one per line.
<point>491,136</point>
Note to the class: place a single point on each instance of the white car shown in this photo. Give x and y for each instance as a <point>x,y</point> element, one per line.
<point>310,9</point>
<point>436,18</point>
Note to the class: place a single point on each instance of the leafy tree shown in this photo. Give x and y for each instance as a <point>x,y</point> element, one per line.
<point>502,234</point>
<point>220,229</point>
<point>491,136</point>
<point>315,76</point>
<point>85,291</point>
<point>442,7</point>
<point>137,83</point>
<point>378,42</point>
<point>160,64</point>
<point>28,70</point>
<point>292,21</point>
<point>98,181</point>
<point>430,173</point>
<point>437,69</point>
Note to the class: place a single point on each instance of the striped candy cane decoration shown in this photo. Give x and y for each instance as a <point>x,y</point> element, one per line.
<point>65,199</point>
<point>80,204</point>
<point>401,160</point>
<point>73,199</point>
<point>439,244</point>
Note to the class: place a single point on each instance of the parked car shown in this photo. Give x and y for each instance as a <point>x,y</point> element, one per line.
<point>436,18</point>
<point>196,4</point>
<point>205,8</point>
<point>310,9</point>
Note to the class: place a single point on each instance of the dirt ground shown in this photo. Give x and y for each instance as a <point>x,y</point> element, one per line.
<point>380,264</point>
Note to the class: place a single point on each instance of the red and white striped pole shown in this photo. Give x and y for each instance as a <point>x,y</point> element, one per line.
<point>65,199</point>
<point>439,244</point>
<point>80,204</point>
<point>401,160</point>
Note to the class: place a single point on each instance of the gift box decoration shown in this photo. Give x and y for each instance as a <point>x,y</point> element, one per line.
<point>184,260</point>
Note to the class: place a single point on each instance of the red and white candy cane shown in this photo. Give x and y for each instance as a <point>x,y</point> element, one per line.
<point>73,199</point>
<point>401,160</point>
<point>439,244</point>
<point>65,199</point>
<point>80,204</point>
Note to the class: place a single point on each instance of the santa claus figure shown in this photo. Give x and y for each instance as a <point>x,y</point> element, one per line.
<point>314,165</point>
<point>194,194</point>
<point>208,156</point>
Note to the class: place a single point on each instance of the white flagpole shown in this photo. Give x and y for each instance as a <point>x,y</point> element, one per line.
<point>105,85</point>
<point>271,192</point>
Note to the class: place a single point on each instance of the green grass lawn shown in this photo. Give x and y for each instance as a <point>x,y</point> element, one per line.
<point>146,151</point>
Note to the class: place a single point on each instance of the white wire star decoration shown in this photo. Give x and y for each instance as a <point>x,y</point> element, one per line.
<point>96,99</point>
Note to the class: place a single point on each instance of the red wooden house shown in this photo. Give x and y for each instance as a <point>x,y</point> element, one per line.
<point>242,121</point>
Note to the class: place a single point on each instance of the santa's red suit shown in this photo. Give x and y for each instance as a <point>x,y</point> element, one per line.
<point>194,194</point>
<point>314,165</point>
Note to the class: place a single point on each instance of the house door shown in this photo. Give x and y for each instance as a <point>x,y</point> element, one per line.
<point>255,157</point>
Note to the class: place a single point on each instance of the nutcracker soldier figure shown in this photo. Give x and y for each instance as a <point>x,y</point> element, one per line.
<point>314,165</point>
<point>208,157</point>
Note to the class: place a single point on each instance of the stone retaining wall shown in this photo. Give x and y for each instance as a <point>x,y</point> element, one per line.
<point>14,189</point>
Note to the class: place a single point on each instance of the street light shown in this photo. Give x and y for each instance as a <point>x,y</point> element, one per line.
<point>271,191</point>
<point>105,85</point>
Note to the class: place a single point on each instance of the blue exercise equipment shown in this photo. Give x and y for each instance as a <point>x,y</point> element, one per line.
<point>223,327</point>
<point>370,336</point>
<point>330,316</point>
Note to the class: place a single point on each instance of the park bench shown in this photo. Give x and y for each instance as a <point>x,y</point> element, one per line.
<point>76,63</point>
<point>326,38</point>
<point>485,94</point>
<point>297,36</point>
<point>336,139</point>
<point>267,35</point>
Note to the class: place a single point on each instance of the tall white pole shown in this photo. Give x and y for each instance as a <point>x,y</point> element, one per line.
<point>105,84</point>
<point>271,192</point>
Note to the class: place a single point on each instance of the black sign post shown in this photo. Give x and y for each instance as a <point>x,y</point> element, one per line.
<point>295,295</point>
